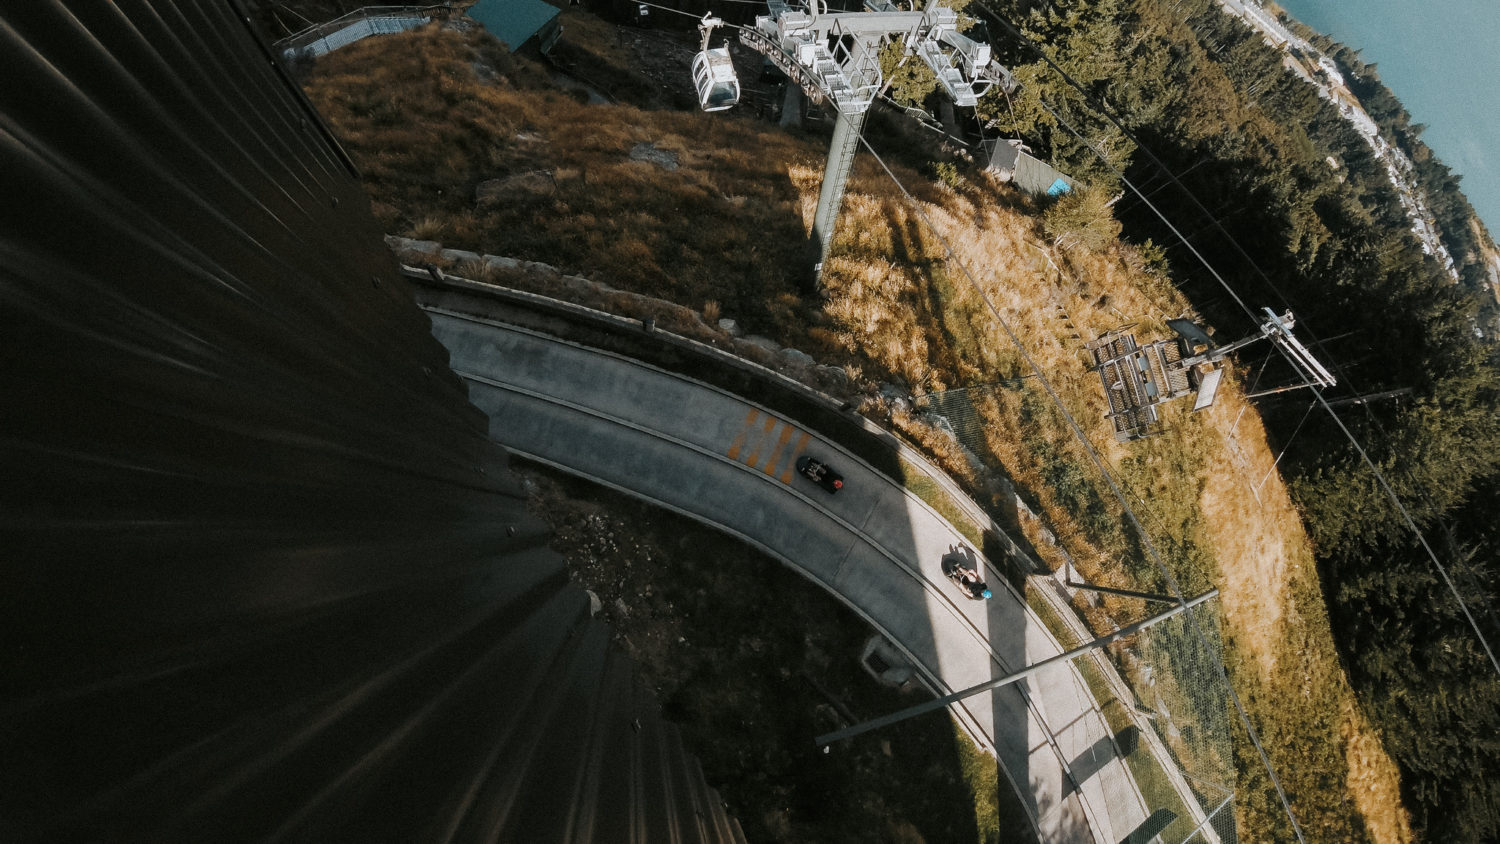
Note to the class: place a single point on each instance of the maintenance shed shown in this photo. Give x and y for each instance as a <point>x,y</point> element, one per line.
<point>519,24</point>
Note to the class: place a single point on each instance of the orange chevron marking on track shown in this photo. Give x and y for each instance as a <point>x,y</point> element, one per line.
<point>754,458</point>
<point>739,441</point>
<point>758,434</point>
<point>786,437</point>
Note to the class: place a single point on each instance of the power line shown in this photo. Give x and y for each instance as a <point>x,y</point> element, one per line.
<point>1094,457</point>
<point>1160,165</point>
<point>1359,448</point>
<point>1262,370</point>
<point>698,17</point>
<point>1103,470</point>
<point>1412,526</point>
<point>668,9</point>
<point>1285,446</point>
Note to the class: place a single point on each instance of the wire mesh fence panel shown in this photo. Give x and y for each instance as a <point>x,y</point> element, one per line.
<point>1169,717</point>
<point>1174,670</point>
<point>1221,824</point>
<point>1177,676</point>
<point>961,417</point>
<point>1172,735</point>
<point>1164,689</point>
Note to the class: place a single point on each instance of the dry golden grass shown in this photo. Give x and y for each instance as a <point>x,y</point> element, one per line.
<point>1205,487</point>
<point>1274,608</point>
<point>726,224</point>
<point>725,233</point>
<point>1373,781</point>
<point>1258,536</point>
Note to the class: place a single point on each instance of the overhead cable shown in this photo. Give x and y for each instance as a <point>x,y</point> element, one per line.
<point>1099,464</point>
<point>1369,463</point>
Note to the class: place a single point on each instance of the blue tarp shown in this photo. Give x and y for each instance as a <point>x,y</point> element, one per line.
<point>513,21</point>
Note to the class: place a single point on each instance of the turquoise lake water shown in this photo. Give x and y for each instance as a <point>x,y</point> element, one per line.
<point>1442,60</point>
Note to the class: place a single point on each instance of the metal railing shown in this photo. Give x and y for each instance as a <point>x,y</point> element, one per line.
<point>346,29</point>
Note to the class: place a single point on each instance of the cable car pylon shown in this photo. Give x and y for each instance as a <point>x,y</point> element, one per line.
<point>835,58</point>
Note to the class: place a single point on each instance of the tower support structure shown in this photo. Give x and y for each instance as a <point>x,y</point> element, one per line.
<point>841,151</point>
<point>834,57</point>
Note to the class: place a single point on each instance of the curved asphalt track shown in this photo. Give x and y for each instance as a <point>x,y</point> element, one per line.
<point>722,460</point>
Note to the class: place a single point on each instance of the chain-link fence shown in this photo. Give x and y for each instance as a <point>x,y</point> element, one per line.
<point>1178,680</point>
<point>1163,690</point>
<point>1163,695</point>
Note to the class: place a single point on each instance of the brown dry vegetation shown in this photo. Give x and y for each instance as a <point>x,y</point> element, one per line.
<point>728,227</point>
<point>426,132</point>
<point>1205,489</point>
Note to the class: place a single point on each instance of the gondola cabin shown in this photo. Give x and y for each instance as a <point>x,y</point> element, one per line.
<point>714,76</point>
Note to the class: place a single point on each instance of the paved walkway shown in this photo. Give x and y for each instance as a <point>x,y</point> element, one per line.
<point>727,462</point>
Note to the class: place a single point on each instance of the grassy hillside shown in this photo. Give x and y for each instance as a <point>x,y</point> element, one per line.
<point>1293,208</point>
<point>462,143</point>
